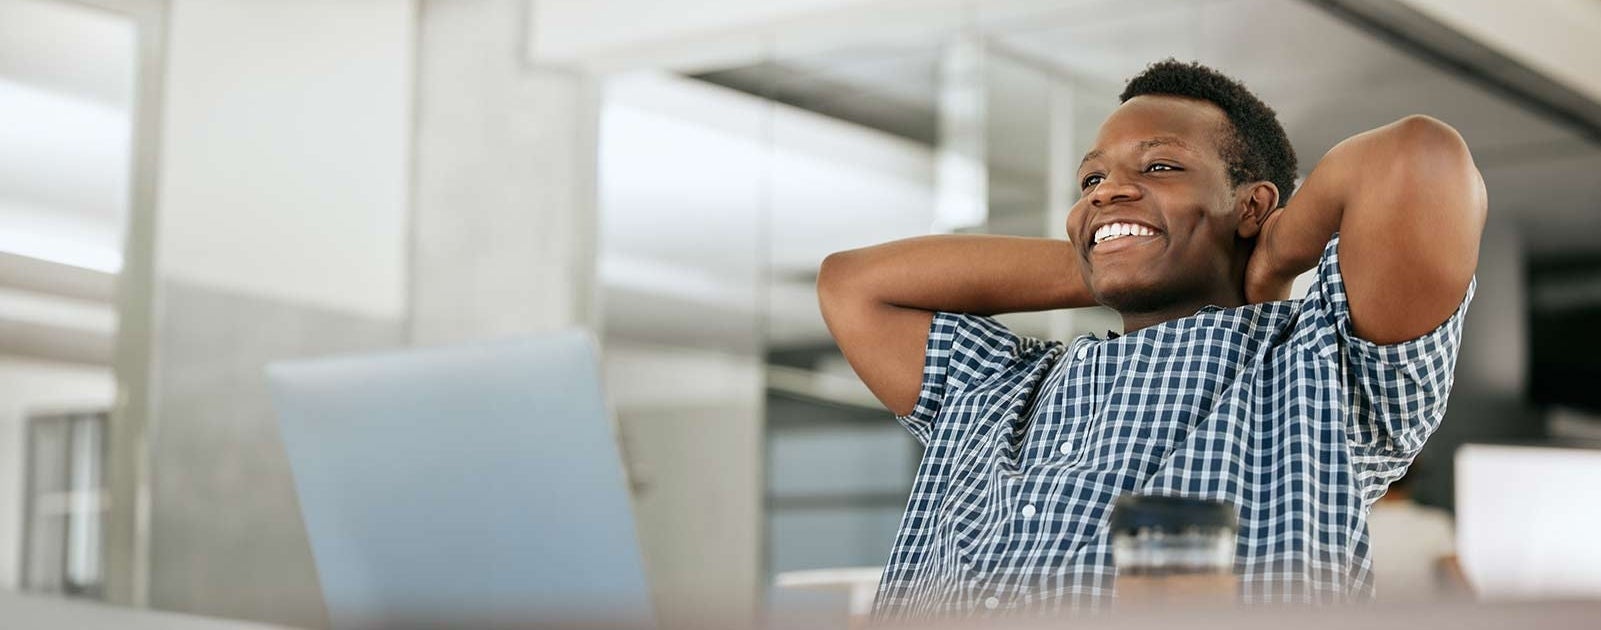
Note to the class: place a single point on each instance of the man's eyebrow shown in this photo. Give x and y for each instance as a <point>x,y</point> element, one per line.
<point>1159,141</point>
<point>1145,145</point>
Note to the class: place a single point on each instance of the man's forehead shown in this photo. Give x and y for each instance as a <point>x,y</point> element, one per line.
<point>1145,144</point>
<point>1145,122</point>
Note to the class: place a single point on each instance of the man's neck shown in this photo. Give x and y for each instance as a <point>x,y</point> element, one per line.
<point>1133,321</point>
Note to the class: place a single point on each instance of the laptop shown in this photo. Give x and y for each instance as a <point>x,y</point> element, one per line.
<point>477,485</point>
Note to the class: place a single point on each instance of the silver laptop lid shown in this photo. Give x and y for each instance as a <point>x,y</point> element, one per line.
<point>468,486</point>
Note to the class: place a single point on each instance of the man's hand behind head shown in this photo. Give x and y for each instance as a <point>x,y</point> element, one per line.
<point>1267,277</point>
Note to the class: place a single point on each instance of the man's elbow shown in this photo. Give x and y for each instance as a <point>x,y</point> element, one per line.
<point>1430,140</point>
<point>835,274</point>
<point>1435,157</point>
<point>1425,131</point>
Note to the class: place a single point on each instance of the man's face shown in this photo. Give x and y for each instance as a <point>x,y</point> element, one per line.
<point>1156,165</point>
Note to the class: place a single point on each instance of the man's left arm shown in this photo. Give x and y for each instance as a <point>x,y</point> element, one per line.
<point>1409,205</point>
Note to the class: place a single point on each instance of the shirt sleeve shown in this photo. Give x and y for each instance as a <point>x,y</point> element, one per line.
<point>1397,392</point>
<point>963,353</point>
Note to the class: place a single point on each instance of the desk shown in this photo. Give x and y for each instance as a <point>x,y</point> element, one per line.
<point>18,610</point>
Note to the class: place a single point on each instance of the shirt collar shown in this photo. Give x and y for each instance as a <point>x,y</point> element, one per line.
<point>1209,308</point>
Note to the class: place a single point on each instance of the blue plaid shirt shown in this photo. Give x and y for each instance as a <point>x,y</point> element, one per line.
<point>1277,409</point>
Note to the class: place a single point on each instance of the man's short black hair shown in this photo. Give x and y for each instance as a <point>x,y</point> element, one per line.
<point>1258,149</point>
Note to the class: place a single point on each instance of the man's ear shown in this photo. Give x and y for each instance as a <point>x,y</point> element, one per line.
<point>1257,200</point>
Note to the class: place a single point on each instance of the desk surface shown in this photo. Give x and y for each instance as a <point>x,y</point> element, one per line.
<point>1575,615</point>
<point>36,611</point>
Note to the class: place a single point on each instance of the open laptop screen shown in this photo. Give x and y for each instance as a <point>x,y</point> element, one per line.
<point>477,485</point>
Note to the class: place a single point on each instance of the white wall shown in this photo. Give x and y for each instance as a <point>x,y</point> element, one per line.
<point>285,150</point>
<point>30,386</point>
<point>68,71</point>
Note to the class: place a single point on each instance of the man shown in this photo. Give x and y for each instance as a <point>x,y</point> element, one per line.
<point>1298,413</point>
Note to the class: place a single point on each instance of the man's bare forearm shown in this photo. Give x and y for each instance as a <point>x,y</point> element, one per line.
<point>964,273</point>
<point>877,301</point>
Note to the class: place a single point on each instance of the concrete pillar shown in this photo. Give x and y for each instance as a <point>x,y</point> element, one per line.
<point>503,225</point>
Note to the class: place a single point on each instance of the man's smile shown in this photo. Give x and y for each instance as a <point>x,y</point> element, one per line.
<point>1116,237</point>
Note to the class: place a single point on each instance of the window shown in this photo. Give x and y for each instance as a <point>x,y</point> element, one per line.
<point>65,504</point>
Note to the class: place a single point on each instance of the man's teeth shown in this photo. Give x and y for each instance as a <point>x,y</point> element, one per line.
<point>1117,230</point>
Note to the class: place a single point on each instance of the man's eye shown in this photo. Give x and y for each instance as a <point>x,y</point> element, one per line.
<point>1090,180</point>
<point>1161,167</point>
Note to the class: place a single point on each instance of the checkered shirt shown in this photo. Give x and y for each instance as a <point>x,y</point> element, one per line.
<point>1277,409</point>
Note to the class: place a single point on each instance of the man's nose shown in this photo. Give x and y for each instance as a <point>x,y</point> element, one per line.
<point>1111,191</point>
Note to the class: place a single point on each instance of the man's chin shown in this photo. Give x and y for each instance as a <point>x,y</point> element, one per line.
<point>1127,296</point>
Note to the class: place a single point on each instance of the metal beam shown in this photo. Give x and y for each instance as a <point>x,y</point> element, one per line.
<point>1444,47</point>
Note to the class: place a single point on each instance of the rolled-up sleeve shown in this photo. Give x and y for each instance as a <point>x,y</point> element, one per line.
<point>1397,392</point>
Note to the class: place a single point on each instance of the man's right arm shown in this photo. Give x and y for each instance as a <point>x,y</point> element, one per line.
<point>879,301</point>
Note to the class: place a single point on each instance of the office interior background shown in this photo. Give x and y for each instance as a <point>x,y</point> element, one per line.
<point>191,189</point>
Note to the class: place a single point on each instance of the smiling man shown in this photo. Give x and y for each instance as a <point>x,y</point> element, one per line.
<point>1296,412</point>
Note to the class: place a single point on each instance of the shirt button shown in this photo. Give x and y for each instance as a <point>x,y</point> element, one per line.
<point>1028,510</point>
<point>992,603</point>
<point>1065,449</point>
<point>1082,351</point>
